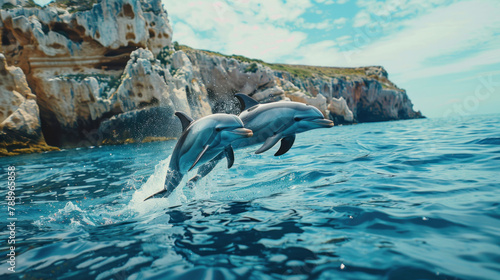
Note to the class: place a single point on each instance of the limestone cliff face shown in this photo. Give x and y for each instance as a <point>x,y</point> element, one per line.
<point>105,72</point>
<point>368,93</point>
<point>20,129</point>
<point>223,77</point>
<point>73,61</point>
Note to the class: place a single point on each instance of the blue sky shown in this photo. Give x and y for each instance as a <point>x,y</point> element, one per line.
<point>445,53</point>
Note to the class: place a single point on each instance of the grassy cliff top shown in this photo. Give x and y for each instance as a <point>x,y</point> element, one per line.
<point>301,71</point>
<point>74,5</point>
<point>27,4</point>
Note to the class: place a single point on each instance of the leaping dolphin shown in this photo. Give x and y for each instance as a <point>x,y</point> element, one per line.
<point>201,141</point>
<point>270,123</point>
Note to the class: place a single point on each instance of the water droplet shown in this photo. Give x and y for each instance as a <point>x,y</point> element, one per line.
<point>342,266</point>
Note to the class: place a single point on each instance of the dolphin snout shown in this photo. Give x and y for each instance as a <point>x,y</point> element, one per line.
<point>322,122</point>
<point>242,131</point>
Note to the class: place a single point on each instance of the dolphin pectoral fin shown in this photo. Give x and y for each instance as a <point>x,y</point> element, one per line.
<point>270,142</point>
<point>199,156</point>
<point>185,119</point>
<point>286,144</point>
<point>230,156</point>
<point>246,101</point>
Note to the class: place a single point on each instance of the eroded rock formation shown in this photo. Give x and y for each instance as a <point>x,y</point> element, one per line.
<point>20,129</point>
<point>345,94</point>
<point>74,61</point>
<point>369,95</point>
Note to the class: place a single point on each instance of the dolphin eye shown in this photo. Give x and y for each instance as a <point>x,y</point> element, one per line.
<point>296,119</point>
<point>218,129</point>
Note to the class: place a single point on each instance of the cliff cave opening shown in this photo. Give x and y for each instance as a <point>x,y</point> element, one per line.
<point>7,37</point>
<point>68,32</point>
<point>121,50</point>
<point>51,128</point>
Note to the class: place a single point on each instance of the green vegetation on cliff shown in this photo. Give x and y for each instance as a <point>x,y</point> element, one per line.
<point>74,5</point>
<point>299,71</point>
<point>29,4</point>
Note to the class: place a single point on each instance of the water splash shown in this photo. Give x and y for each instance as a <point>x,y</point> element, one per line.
<point>70,215</point>
<point>155,183</point>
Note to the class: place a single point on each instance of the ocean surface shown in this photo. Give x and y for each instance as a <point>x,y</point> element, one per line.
<point>416,199</point>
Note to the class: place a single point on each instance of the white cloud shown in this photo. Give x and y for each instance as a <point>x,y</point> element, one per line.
<point>327,24</point>
<point>450,31</point>
<point>275,11</point>
<point>311,54</point>
<point>257,28</point>
<point>344,40</point>
<point>330,2</point>
<point>327,2</point>
<point>340,22</point>
<point>361,19</point>
<point>373,11</point>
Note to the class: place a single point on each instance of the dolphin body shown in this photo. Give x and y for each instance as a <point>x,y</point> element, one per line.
<point>201,141</point>
<point>270,123</point>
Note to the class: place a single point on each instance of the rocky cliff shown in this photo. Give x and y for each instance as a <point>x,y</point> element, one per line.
<point>20,129</point>
<point>363,94</point>
<point>95,72</point>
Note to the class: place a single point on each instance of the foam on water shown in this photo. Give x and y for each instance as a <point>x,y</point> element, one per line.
<point>155,183</point>
<point>179,196</point>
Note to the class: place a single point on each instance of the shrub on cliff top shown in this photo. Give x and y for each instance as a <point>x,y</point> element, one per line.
<point>299,71</point>
<point>75,5</point>
<point>164,55</point>
<point>252,68</point>
<point>31,4</point>
<point>7,6</point>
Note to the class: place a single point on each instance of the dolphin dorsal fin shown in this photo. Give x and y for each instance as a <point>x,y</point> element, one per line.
<point>185,119</point>
<point>246,101</point>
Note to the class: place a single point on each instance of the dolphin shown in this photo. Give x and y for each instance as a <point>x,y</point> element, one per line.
<point>201,141</point>
<point>270,123</point>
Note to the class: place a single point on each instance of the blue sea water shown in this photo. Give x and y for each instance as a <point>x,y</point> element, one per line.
<point>416,199</point>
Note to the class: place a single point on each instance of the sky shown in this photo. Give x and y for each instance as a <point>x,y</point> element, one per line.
<point>444,53</point>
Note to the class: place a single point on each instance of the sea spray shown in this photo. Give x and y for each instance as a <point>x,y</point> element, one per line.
<point>155,183</point>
